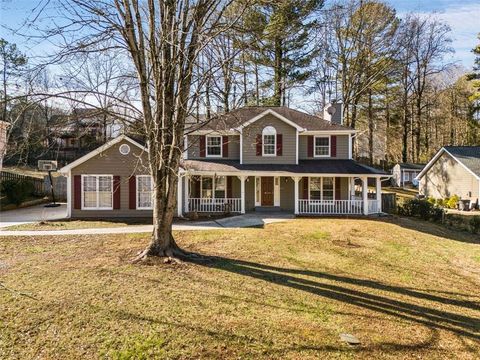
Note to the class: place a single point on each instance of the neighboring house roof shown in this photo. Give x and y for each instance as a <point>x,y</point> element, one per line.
<point>411,166</point>
<point>320,166</point>
<point>99,150</point>
<point>240,117</point>
<point>467,156</point>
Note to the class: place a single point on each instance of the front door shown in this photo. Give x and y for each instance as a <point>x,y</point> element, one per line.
<point>267,191</point>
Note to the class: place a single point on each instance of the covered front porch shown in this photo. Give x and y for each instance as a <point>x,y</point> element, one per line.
<point>336,194</point>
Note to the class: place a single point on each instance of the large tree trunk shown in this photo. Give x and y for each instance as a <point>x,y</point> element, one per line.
<point>370,126</point>
<point>278,73</point>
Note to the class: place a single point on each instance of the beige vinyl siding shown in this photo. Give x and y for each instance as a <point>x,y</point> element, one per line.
<point>111,162</point>
<point>288,142</point>
<point>446,177</point>
<point>342,147</point>
<point>287,194</point>
<point>250,193</point>
<point>344,188</point>
<point>193,144</point>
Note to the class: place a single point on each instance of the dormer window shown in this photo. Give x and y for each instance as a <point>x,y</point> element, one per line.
<point>214,146</point>
<point>269,137</point>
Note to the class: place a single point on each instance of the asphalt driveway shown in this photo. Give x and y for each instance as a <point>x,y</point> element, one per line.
<point>32,214</point>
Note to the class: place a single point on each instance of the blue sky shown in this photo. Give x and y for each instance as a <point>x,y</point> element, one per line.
<point>462,16</point>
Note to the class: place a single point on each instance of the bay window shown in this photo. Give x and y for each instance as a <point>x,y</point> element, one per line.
<point>97,192</point>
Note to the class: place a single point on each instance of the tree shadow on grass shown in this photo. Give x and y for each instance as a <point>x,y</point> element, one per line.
<point>340,288</point>
<point>431,228</point>
<point>227,336</point>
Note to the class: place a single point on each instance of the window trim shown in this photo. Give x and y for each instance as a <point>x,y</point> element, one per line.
<point>214,183</point>
<point>315,146</point>
<point>137,207</point>
<point>97,176</point>
<point>206,146</point>
<point>321,187</point>
<point>274,141</point>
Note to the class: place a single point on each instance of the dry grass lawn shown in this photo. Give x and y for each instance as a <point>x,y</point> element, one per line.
<point>284,292</point>
<point>72,224</point>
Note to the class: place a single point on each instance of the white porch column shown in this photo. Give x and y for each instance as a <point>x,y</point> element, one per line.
<point>352,188</point>
<point>242,193</point>
<point>296,181</point>
<point>187,192</point>
<point>365,195</point>
<point>378,193</point>
<point>179,196</point>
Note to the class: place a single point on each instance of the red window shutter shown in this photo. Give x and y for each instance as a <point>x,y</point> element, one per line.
<point>132,192</point>
<point>229,187</point>
<point>333,146</point>
<point>77,191</point>
<point>305,188</point>
<point>225,146</point>
<point>116,192</point>
<point>202,146</point>
<point>338,189</point>
<point>310,146</point>
<point>197,187</point>
<point>279,144</point>
<point>259,144</point>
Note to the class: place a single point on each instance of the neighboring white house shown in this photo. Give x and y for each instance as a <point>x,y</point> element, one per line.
<point>405,174</point>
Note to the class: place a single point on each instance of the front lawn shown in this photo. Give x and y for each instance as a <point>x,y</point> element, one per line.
<point>406,289</point>
<point>76,224</point>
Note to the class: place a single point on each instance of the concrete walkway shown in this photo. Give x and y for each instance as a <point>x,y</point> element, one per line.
<point>234,222</point>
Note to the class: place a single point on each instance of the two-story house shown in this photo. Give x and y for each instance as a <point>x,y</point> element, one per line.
<point>250,159</point>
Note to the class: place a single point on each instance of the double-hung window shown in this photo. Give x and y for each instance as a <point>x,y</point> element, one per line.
<point>327,188</point>
<point>144,192</point>
<point>269,140</point>
<point>322,146</point>
<point>214,187</point>
<point>207,187</point>
<point>315,188</point>
<point>214,146</point>
<point>220,187</point>
<point>322,188</point>
<point>97,192</point>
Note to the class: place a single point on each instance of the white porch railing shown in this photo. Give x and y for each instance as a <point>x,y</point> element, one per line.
<point>330,207</point>
<point>215,205</point>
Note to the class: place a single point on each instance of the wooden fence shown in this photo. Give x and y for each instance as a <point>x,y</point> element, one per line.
<point>59,187</point>
<point>389,202</point>
<point>39,188</point>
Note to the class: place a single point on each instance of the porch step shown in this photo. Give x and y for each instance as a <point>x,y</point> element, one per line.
<point>267,209</point>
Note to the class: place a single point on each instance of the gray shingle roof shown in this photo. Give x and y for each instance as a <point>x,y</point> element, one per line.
<point>239,116</point>
<point>412,166</point>
<point>321,166</point>
<point>467,155</point>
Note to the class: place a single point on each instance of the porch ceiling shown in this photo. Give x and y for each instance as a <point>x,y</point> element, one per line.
<point>321,166</point>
